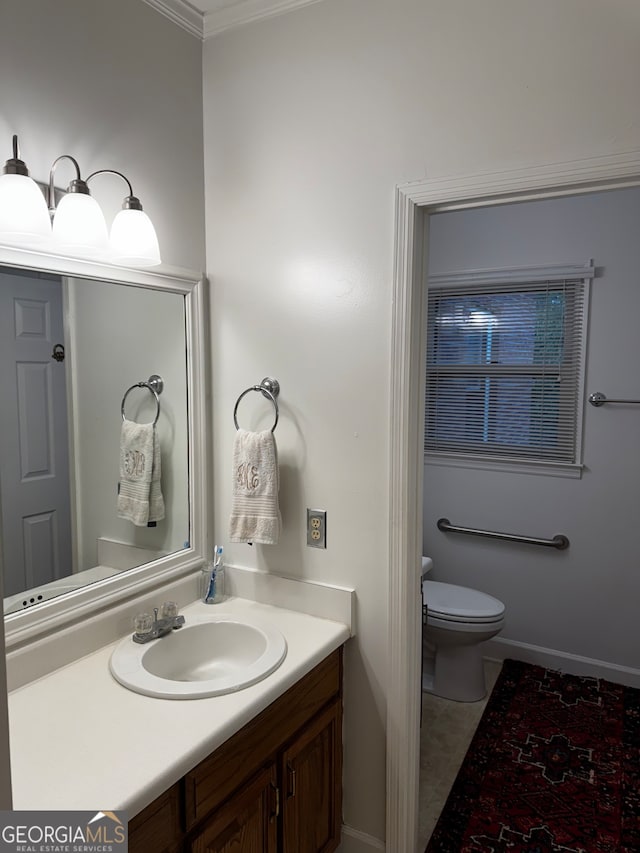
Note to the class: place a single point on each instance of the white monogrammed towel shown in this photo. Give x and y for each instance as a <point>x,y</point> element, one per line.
<point>139,493</point>
<point>255,515</point>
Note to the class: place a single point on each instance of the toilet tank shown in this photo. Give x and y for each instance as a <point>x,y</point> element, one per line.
<point>427,565</point>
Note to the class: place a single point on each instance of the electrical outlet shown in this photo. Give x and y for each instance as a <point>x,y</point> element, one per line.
<point>316,528</point>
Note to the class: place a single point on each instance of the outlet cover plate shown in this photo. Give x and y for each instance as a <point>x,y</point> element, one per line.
<point>316,528</point>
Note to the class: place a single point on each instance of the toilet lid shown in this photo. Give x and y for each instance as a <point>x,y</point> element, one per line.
<point>460,604</point>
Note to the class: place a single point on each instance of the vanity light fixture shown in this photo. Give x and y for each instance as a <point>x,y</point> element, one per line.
<point>79,227</point>
<point>132,238</point>
<point>24,219</point>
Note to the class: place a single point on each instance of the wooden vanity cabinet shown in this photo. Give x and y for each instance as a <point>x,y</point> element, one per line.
<point>273,787</point>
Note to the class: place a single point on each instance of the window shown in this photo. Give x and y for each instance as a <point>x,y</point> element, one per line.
<point>505,365</point>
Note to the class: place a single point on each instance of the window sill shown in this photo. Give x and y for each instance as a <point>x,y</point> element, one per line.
<point>570,470</point>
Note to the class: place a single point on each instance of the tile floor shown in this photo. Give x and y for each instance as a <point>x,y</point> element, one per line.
<point>447,729</point>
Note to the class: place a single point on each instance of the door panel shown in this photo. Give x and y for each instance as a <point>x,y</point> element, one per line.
<point>35,420</point>
<point>40,538</point>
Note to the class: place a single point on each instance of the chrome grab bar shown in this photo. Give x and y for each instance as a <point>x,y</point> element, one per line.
<point>560,541</point>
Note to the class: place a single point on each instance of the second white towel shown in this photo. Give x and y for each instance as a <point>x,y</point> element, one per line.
<point>255,514</point>
<point>139,494</point>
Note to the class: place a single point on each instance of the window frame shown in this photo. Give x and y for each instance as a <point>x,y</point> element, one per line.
<point>463,280</point>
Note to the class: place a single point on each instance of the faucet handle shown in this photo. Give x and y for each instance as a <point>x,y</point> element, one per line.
<point>169,610</point>
<point>142,624</point>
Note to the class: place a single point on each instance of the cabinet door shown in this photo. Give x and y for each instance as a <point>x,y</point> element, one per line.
<point>247,823</point>
<point>157,828</point>
<point>312,785</point>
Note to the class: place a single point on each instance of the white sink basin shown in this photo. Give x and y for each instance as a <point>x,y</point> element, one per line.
<point>209,656</point>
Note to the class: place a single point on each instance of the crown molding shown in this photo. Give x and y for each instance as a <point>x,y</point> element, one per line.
<point>181,13</point>
<point>228,14</point>
<point>223,14</point>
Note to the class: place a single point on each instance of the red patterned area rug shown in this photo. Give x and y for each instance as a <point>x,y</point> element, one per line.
<point>554,767</point>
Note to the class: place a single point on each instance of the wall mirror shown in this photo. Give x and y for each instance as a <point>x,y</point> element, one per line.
<point>79,344</point>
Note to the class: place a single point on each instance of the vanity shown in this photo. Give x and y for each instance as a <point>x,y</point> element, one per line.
<point>260,767</point>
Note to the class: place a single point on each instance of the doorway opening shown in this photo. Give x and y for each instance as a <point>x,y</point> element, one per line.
<point>414,203</point>
<point>517,448</point>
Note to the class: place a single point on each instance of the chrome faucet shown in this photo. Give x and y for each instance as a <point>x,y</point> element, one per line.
<point>147,629</point>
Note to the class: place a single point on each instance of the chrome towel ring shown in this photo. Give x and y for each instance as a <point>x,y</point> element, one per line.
<point>155,384</point>
<point>270,388</point>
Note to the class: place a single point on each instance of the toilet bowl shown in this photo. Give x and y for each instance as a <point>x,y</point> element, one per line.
<point>458,620</point>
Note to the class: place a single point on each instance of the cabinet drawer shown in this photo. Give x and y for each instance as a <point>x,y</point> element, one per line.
<point>219,775</point>
<point>158,827</point>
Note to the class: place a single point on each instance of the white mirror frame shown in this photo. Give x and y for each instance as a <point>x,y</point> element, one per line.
<point>31,624</point>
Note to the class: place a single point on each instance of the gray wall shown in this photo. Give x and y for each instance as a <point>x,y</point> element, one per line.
<point>582,601</point>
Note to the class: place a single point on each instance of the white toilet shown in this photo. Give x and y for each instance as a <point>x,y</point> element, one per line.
<point>458,620</point>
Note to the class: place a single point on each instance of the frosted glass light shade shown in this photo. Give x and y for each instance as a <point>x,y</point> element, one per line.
<point>24,218</point>
<point>79,227</point>
<point>133,240</point>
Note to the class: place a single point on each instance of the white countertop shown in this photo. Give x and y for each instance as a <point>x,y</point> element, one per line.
<point>80,740</point>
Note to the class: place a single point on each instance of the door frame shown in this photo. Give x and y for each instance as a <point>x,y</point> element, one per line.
<point>413,204</point>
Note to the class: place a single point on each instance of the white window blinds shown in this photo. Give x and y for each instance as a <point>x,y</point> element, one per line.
<point>504,368</point>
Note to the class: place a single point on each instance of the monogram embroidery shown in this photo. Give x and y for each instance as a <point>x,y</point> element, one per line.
<point>247,476</point>
<point>134,463</point>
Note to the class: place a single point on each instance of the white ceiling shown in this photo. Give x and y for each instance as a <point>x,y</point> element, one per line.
<point>207,18</point>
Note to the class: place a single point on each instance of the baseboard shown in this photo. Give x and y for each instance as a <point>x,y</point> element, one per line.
<point>499,649</point>
<point>354,841</point>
